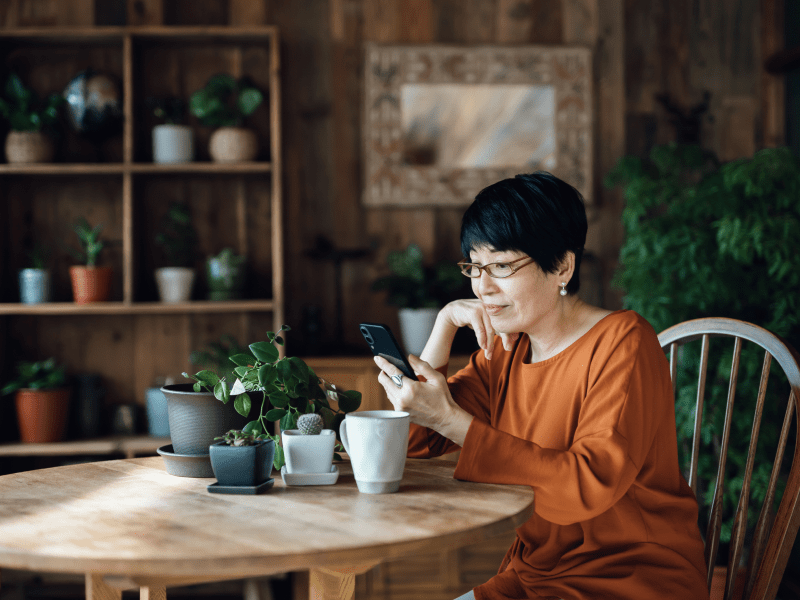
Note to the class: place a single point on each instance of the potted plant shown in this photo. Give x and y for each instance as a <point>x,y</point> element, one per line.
<point>225,274</point>
<point>90,283</point>
<point>173,142</point>
<point>242,458</point>
<point>34,281</point>
<point>309,448</point>
<point>29,119</point>
<point>178,239</point>
<point>224,103</point>
<point>42,396</point>
<point>420,291</point>
<point>709,239</point>
<point>287,386</point>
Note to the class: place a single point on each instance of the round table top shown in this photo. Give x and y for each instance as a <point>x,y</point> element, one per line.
<point>131,518</point>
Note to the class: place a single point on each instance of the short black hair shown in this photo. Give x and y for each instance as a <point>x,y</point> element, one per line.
<point>536,213</point>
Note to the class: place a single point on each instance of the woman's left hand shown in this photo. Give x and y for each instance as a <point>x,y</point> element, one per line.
<point>428,402</point>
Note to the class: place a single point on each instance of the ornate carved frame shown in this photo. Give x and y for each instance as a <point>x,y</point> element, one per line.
<point>390,182</point>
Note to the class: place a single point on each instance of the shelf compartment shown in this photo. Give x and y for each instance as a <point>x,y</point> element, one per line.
<point>197,167</point>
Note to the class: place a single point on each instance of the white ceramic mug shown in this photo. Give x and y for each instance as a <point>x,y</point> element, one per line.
<point>377,442</point>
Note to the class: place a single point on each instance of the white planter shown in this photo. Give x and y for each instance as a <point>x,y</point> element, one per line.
<point>308,453</point>
<point>233,144</point>
<point>34,286</point>
<point>175,284</point>
<point>173,144</point>
<point>416,325</point>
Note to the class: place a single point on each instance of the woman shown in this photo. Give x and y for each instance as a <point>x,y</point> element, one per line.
<point>570,399</point>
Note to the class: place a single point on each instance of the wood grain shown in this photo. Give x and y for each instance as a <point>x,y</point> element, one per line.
<point>132,518</point>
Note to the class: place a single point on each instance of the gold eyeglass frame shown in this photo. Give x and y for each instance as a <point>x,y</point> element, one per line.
<point>465,263</point>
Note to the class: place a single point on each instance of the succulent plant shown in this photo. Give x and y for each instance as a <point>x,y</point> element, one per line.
<point>309,424</point>
<point>236,437</point>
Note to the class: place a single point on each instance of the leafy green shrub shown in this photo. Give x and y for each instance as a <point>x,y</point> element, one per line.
<point>24,110</point>
<point>707,239</point>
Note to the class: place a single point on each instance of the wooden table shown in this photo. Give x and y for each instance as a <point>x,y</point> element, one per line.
<point>128,524</point>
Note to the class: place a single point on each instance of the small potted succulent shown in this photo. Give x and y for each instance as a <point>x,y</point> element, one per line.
<point>242,458</point>
<point>225,103</point>
<point>309,448</point>
<point>173,142</point>
<point>225,275</point>
<point>419,291</point>
<point>42,398</point>
<point>34,280</point>
<point>30,120</point>
<point>177,238</point>
<point>289,390</point>
<point>90,283</point>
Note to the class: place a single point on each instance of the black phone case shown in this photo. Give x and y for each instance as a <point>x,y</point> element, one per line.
<point>383,343</point>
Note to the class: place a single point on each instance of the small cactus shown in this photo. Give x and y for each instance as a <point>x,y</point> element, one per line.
<point>310,424</point>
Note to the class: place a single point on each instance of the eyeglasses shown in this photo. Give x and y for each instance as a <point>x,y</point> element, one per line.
<point>498,270</point>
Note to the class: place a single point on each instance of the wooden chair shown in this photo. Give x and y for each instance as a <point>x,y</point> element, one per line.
<point>774,532</point>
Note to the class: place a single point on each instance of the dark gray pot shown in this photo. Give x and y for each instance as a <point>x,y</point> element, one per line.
<point>242,465</point>
<point>196,418</point>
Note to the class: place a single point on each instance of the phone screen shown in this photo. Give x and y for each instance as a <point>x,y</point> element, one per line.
<point>383,343</point>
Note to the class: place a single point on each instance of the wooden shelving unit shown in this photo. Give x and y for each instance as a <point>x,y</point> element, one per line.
<point>134,338</point>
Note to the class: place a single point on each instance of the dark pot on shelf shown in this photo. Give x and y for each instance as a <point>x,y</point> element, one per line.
<point>242,465</point>
<point>87,405</point>
<point>196,418</point>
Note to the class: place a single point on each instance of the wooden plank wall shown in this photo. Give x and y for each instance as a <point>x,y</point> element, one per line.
<point>681,47</point>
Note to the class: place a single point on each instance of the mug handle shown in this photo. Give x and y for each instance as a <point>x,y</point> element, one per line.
<point>343,435</point>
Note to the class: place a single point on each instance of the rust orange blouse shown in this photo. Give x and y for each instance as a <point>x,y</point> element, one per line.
<point>592,431</point>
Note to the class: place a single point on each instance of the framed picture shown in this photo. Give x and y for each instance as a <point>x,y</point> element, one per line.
<point>442,122</point>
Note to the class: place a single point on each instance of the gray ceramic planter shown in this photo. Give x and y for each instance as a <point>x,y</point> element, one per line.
<point>196,418</point>
<point>242,465</point>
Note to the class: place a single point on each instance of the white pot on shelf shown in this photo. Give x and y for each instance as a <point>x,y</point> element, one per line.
<point>175,284</point>
<point>416,325</point>
<point>173,144</point>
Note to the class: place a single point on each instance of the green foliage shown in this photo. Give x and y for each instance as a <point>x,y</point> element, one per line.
<point>288,388</point>
<point>708,239</point>
<point>215,355</point>
<point>39,375</point>
<point>415,285</point>
<point>237,437</point>
<point>90,242</point>
<point>24,110</point>
<point>177,236</point>
<point>225,102</point>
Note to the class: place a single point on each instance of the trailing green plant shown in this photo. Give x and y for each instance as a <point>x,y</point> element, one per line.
<point>237,437</point>
<point>90,242</point>
<point>37,375</point>
<point>177,236</point>
<point>287,386</point>
<point>24,109</point>
<point>215,356</point>
<point>225,101</point>
<point>708,239</point>
<point>412,284</point>
<point>171,110</point>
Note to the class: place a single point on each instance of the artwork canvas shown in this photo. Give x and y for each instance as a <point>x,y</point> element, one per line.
<point>443,122</point>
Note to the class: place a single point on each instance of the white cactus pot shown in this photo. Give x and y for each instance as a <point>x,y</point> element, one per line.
<point>308,453</point>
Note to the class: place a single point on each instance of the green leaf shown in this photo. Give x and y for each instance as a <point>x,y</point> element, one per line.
<point>276,414</point>
<point>279,459</point>
<point>243,360</point>
<point>278,399</point>
<point>349,400</point>
<point>208,378</point>
<point>253,427</point>
<point>221,392</point>
<point>289,421</point>
<point>284,370</point>
<point>242,404</point>
<point>241,371</point>
<point>265,352</point>
<point>267,375</point>
<point>249,100</point>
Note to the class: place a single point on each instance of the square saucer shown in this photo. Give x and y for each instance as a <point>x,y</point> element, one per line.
<point>310,478</point>
<point>216,488</point>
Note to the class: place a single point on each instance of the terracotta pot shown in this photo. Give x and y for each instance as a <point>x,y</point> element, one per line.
<point>42,414</point>
<point>90,284</point>
<point>29,147</point>
<point>233,144</point>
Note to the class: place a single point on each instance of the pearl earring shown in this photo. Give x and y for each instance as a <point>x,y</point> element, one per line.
<point>563,291</point>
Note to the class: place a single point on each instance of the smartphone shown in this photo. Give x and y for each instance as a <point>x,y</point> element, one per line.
<point>383,343</point>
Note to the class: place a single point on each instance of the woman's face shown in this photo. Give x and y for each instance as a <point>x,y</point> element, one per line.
<point>518,303</point>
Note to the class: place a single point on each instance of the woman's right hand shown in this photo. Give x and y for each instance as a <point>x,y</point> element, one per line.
<point>471,313</point>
